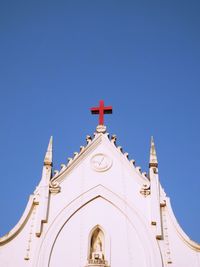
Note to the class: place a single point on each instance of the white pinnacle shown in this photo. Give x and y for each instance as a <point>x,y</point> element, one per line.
<point>153,162</point>
<point>49,157</point>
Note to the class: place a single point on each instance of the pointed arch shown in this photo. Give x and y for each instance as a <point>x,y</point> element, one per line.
<point>154,257</point>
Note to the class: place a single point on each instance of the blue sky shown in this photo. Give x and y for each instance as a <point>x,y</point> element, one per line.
<point>59,58</point>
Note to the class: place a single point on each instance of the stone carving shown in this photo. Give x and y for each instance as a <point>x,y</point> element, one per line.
<point>145,190</point>
<point>54,187</point>
<point>97,247</point>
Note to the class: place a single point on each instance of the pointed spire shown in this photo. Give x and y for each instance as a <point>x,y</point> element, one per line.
<point>153,162</point>
<point>48,157</point>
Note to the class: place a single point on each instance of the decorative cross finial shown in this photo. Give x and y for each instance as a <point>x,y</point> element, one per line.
<point>101,110</point>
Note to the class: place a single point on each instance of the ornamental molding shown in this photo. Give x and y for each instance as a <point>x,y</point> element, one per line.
<point>145,190</point>
<point>54,187</point>
<point>92,143</point>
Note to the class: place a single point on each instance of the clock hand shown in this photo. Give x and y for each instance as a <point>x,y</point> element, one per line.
<point>101,161</point>
<point>96,162</point>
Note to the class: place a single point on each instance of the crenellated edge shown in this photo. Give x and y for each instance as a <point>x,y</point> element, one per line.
<point>75,159</point>
<point>50,183</point>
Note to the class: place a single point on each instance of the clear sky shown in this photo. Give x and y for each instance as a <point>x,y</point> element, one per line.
<point>59,58</point>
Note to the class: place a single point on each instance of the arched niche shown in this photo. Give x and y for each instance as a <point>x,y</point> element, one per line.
<point>96,247</point>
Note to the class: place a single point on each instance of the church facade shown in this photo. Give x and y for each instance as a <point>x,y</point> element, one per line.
<point>98,210</point>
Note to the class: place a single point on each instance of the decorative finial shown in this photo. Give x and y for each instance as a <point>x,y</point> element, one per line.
<point>114,139</point>
<point>101,110</point>
<point>49,157</point>
<point>88,139</point>
<point>153,162</point>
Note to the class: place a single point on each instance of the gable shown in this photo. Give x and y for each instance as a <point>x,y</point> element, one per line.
<point>101,163</point>
<point>100,190</point>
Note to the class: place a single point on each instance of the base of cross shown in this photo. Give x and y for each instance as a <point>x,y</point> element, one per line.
<point>101,129</point>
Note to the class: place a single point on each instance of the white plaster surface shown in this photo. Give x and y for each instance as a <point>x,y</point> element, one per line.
<point>140,230</point>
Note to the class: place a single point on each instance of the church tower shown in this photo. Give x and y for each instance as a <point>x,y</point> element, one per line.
<point>98,210</point>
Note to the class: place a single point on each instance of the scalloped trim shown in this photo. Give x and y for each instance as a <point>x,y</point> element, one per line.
<point>91,142</point>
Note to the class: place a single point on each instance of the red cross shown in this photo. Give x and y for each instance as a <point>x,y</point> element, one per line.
<point>101,110</point>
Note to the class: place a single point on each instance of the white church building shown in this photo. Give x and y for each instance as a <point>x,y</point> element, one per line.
<point>98,210</point>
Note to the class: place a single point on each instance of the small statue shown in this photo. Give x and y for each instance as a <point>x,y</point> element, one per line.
<point>98,245</point>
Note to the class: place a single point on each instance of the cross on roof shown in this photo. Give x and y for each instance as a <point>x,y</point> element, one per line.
<point>101,110</point>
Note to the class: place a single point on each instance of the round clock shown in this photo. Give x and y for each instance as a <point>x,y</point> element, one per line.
<point>101,162</point>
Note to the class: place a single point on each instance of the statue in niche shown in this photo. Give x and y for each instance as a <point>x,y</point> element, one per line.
<point>96,253</point>
<point>97,245</point>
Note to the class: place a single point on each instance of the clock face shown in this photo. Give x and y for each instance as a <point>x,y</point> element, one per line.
<point>101,162</point>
